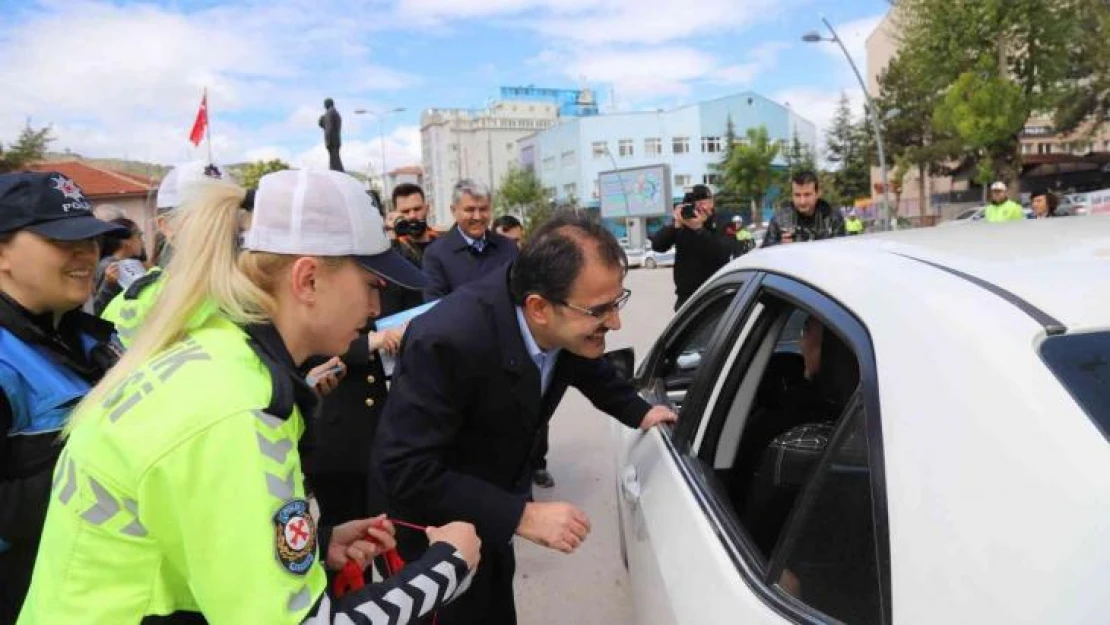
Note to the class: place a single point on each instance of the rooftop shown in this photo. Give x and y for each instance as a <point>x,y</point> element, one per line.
<point>97,182</point>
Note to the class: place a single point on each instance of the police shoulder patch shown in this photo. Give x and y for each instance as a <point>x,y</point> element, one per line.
<point>295,537</point>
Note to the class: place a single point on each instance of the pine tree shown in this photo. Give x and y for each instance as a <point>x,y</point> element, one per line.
<point>30,147</point>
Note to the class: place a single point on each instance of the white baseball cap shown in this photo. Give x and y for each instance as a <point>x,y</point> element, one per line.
<point>325,213</point>
<point>175,186</point>
<point>998,186</point>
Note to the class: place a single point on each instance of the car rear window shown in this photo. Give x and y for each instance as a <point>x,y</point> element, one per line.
<point>1082,364</point>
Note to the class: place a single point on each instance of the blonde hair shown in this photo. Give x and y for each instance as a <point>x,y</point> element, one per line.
<point>207,267</point>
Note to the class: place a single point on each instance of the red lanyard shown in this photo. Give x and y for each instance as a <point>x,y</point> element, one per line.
<point>350,578</point>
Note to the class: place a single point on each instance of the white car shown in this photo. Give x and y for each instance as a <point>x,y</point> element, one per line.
<point>932,449</point>
<point>975,215</point>
<point>635,256</point>
<point>653,259</point>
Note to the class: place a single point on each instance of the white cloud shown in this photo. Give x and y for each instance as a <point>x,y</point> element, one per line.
<point>819,106</point>
<point>653,72</point>
<point>854,34</point>
<point>128,81</point>
<point>402,147</point>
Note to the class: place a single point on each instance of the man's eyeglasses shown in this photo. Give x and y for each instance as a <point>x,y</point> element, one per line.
<point>601,311</point>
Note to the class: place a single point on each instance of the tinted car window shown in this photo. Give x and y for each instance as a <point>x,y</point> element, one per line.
<point>1082,364</point>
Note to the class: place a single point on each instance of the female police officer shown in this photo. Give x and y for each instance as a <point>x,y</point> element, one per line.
<point>179,493</point>
<point>51,353</point>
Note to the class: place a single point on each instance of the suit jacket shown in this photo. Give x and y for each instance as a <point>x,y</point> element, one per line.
<point>465,412</point>
<point>450,262</point>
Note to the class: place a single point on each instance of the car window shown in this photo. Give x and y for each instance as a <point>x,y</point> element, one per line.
<point>830,554</point>
<point>785,457</point>
<point>1081,362</point>
<point>676,369</point>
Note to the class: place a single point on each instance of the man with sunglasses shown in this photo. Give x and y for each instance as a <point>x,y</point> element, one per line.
<point>467,408</point>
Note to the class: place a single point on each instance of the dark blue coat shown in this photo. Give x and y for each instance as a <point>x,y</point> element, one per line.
<point>450,262</point>
<point>464,412</point>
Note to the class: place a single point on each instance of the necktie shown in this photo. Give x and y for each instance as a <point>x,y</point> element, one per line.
<point>479,245</point>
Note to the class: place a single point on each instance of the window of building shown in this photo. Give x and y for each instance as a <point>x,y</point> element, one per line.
<point>681,181</point>
<point>570,190</point>
<point>1027,148</point>
<point>710,145</point>
<point>600,149</point>
<point>1044,148</point>
<point>549,163</point>
<point>653,146</point>
<point>1106,146</point>
<point>711,179</point>
<point>625,148</point>
<point>567,158</point>
<point>680,145</point>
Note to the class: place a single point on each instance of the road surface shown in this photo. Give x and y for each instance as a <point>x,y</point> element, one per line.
<point>590,587</point>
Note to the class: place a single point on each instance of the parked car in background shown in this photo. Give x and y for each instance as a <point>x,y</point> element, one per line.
<point>635,256</point>
<point>850,451</point>
<point>653,259</point>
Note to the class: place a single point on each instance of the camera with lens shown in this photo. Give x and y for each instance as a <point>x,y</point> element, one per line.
<point>689,211</point>
<point>410,227</point>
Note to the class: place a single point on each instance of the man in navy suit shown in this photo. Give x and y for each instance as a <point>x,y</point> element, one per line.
<point>478,379</point>
<point>471,250</point>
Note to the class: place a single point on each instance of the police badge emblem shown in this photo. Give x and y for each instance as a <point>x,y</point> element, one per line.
<point>295,537</point>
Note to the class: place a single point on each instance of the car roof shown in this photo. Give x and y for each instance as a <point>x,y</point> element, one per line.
<point>1054,269</point>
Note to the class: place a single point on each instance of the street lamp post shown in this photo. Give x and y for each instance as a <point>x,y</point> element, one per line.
<point>381,139</point>
<point>872,112</point>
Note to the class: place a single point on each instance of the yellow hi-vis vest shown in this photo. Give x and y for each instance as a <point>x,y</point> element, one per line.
<point>128,309</point>
<point>180,494</point>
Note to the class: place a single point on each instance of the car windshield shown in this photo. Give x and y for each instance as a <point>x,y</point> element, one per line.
<point>1082,364</point>
<point>967,214</point>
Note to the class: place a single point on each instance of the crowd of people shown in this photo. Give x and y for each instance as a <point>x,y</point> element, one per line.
<point>220,439</point>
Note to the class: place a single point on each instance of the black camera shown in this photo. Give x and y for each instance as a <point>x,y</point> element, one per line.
<point>410,227</point>
<point>689,211</point>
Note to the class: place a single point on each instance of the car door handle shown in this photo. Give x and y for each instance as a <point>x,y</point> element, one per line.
<point>630,485</point>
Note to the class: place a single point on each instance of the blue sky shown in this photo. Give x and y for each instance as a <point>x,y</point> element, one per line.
<point>123,79</point>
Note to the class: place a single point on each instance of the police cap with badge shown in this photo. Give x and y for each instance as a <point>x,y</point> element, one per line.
<point>52,206</point>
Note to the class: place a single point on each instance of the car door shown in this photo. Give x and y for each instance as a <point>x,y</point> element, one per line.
<point>680,572</point>
<point>736,511</point>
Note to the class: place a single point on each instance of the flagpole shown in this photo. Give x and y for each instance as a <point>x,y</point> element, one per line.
<point>208,127</point>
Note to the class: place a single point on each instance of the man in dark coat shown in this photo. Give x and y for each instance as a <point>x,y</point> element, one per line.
<point>479,376</point>
<point>700,249</point>
<point>471,250</point>
<point>332,124</point>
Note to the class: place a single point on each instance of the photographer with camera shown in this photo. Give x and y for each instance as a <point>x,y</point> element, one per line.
<point>412,236</point>
<point>700,248</point>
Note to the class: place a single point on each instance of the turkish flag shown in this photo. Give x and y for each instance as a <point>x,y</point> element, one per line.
<point>201,124</point>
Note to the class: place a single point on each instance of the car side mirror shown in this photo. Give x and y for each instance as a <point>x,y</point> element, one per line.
<point>624,361</point>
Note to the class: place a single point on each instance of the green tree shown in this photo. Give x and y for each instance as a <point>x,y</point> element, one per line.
<point>729,198</point>
<point>522,193</point>
<point>30,147</point>
<point>1085,94</point>
<point>799,157</point>
<point>906,104</point>
<point>751,171</point>
<point>847,149</point>
<point>1015,54</point>
<point>250,173</point>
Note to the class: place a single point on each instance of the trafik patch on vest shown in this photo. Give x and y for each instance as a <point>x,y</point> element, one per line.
<point>50,205</point>
<point>295,536</point>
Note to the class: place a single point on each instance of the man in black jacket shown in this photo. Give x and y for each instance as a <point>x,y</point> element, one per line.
<point>807,218</point>
<point>471,250</point>
<point>699,249</point>
<point>479,377</point>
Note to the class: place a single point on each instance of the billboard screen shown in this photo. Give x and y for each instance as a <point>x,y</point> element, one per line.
<point>636,192</point>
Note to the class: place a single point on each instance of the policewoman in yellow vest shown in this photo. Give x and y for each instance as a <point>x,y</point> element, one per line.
<point>128,309</point>
<point>179,497</point>
<point>51,353</point>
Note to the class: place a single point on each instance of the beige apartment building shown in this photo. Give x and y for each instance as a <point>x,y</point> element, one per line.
<point>1039,141</point>
<point>477,144</point>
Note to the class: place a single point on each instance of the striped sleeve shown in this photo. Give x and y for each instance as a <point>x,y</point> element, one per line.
<point>419,589</point>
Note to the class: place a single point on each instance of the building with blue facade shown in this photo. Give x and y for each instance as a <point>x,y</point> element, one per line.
<point>571,102</point>
<point>568,156</point>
